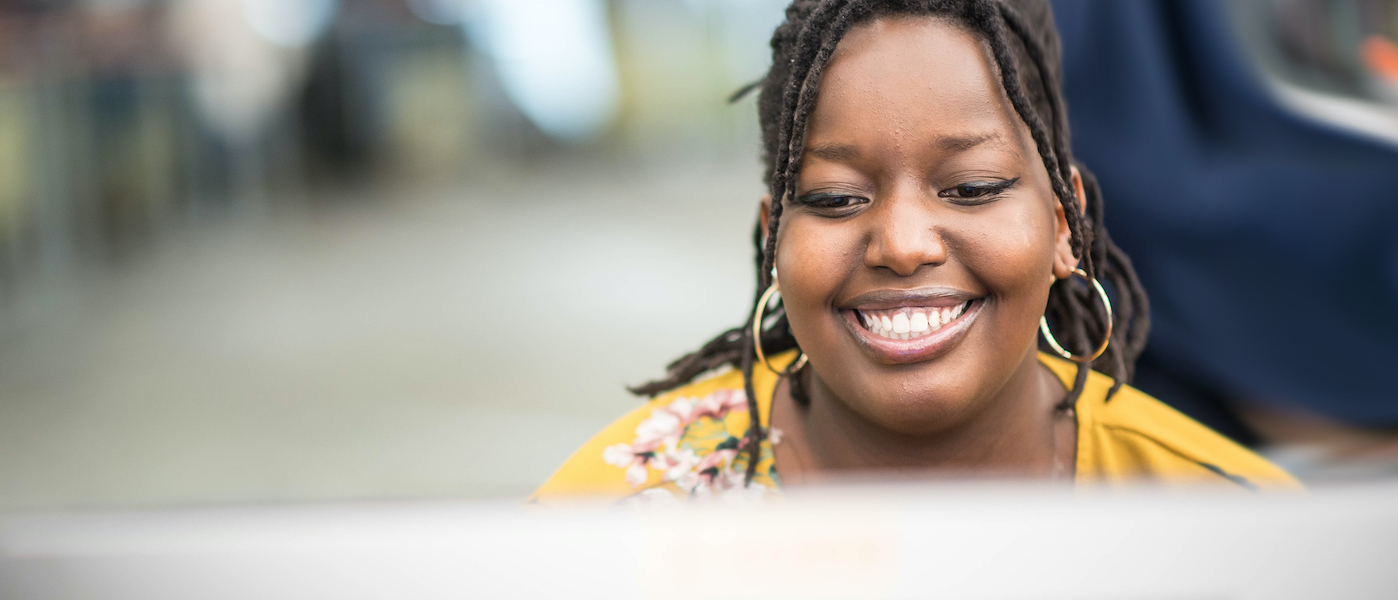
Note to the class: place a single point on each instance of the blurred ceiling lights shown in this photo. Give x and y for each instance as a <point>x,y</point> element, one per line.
<point>554,57</point>
<point>290,23</point>
<point>440,12</point>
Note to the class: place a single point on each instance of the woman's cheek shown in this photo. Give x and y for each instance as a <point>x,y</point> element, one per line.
<point>812,263</point>
<point>1013,255</point>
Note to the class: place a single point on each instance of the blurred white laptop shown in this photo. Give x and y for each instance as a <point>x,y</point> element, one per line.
<point>958,542</point>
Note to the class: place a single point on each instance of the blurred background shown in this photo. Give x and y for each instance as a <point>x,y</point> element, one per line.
<point>269,251</point>
<point>294,250</point>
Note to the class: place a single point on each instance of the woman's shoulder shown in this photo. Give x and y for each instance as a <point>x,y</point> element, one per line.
<point>684,441</point>
<point>1133,436</point>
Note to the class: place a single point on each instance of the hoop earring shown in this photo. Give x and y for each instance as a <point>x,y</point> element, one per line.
<point>1048,336</point>
<point>757,333</point>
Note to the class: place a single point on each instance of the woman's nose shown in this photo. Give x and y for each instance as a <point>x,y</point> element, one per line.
<point>905,236</point>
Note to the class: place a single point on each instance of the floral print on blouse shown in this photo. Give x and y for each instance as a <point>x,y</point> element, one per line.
<point>687,444</point>
<point>692,448</point>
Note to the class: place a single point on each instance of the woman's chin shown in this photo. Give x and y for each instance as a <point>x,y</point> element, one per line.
<point>917,418</point>
<point>916,399</point>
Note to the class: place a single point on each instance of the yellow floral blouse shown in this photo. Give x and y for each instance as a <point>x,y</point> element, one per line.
<point>686,444</point>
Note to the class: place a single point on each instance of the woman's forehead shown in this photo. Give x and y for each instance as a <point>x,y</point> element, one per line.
<point>916,79</point>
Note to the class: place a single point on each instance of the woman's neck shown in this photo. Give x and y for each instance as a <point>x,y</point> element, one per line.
<point>1016,433</point>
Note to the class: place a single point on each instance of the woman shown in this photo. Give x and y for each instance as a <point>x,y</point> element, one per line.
<point>925,225</point>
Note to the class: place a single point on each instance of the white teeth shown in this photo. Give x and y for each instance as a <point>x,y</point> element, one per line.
<point>909,323</point>
<point>918,323</point>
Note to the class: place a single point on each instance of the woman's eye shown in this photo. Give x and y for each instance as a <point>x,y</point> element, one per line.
<point>838,201</point>
<point>983,190</point>
<point>830,201</point>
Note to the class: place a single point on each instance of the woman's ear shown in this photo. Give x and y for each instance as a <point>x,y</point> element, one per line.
<point>1063,260</point>
<point>764,213</point>
<point>1078,189</point>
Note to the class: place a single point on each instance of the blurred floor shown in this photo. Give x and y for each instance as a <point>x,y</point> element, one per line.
<point>451,342</point>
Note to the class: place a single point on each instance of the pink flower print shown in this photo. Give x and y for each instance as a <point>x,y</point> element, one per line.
<point>719,460</point>
<point>683,408</point>
<point>718,404</point>
<point>661,427</point>
<point>637,473</point>
<point>713,470</point>
<point>690,481</point>
<point>679,462</point>
<point>658,445</point>
<point>618,455</point>
<point>626,457</point>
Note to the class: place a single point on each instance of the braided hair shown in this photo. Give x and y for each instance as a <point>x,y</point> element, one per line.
<point>1024,44</point>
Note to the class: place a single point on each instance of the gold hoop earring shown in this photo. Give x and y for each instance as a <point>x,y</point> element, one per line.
<point>1044,328</point>
<point>757,333</point>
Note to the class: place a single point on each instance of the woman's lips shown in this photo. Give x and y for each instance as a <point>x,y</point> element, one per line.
<point>927,345</point>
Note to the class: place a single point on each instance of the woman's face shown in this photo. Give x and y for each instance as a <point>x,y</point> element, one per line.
<point>916,257</point>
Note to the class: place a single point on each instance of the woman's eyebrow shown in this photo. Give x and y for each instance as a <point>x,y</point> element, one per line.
<point>950,143</point>
<point>833,152</point>
<point>961,143</point>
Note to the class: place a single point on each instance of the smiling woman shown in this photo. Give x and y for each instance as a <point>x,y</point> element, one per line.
<point>924,226</point>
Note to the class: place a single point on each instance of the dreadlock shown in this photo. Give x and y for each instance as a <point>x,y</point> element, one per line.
<point>1024,44</point>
